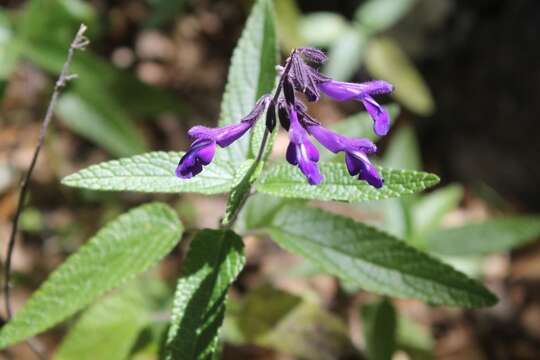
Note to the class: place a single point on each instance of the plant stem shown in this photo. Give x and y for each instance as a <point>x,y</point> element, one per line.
<point>234,216</point>
<point>78,43</point>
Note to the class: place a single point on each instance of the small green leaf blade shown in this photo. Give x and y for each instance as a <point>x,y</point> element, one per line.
<point>262,309</point>
<point>379,322</point>
<point>429,211</point>
<point>102,122</point>
<point>414,338</point>
<point>107,330</point>
<point>287,181</point>
<point>214,260</point>
<point>154,172</point>
<point>371,259</point>
<point>128,245</point>
<point>385,60</point>
<point>251,75</point>
<point>287,24</point>
<point>479,239</point>
<point>322,28</point>
<point>275,319</point>
<point>345,54</point>
<point>403,151</point>
<point>380,15</point>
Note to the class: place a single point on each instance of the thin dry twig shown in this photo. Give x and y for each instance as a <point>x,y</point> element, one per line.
<point>79,43</point>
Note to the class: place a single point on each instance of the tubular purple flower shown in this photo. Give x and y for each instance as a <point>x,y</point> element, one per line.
<point>301,151</point>
<point>343,91</point>
<point>202,150</point>
<point>356,151</point>
<point>200,153</point>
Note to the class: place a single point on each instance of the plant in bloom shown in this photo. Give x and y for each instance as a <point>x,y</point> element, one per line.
<point>300,75</point>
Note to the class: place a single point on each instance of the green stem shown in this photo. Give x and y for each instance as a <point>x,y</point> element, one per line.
<point>229,222</point>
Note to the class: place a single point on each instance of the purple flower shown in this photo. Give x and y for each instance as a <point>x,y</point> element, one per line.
<point>363,92</point>
<point>202,150</point>
<point>301,151</point>
<point>200,153</point>
<point>356,151</point>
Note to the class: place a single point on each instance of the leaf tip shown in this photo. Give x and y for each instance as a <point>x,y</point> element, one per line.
<point>68,180</point>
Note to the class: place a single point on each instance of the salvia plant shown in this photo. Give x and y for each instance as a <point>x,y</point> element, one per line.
<point>269,197</point>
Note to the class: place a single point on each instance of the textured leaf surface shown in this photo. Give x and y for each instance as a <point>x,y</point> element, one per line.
<point>107,330</point>
<point>251,74</point>
<point>214,260</point>
<point>286,181</point>
<point>492,235</point>
<point>126,246</point>
<point>154,172</point>
<point>373,260</point>
<point>380,324</point>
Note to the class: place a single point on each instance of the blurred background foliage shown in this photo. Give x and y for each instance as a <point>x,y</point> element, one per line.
<point>465,73</point>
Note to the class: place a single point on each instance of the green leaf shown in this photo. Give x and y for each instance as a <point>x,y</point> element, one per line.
<point>251,74</point>
<point>154,172</point>
<point>287,181</point>
<point>126,246</point>
<point>429,211</point>
<point>385,60</point>
<point>321,29</point>
<point>98,80</point>
<point>372,259</point>
<point>395,214</point>
<point>490,236</point>
<point>262,309</point>
<point>54,20</point>
<point>9,47</point>
<point>46,27</point>
<point>403,151</point>
<point>259,211</point>
<point>101,122</point>
<point>214,260</point>
<point>107,330</point>
<point>272,318</point>
<point>380,15</point>
<point>346,54</point>
<point>414,338</point>
<point>287,24</point>
<point>379,324</point>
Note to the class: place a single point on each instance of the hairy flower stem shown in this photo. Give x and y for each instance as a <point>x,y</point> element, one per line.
<point>233,217</point>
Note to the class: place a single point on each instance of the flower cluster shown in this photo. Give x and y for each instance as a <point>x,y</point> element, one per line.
<point>300,75</point>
